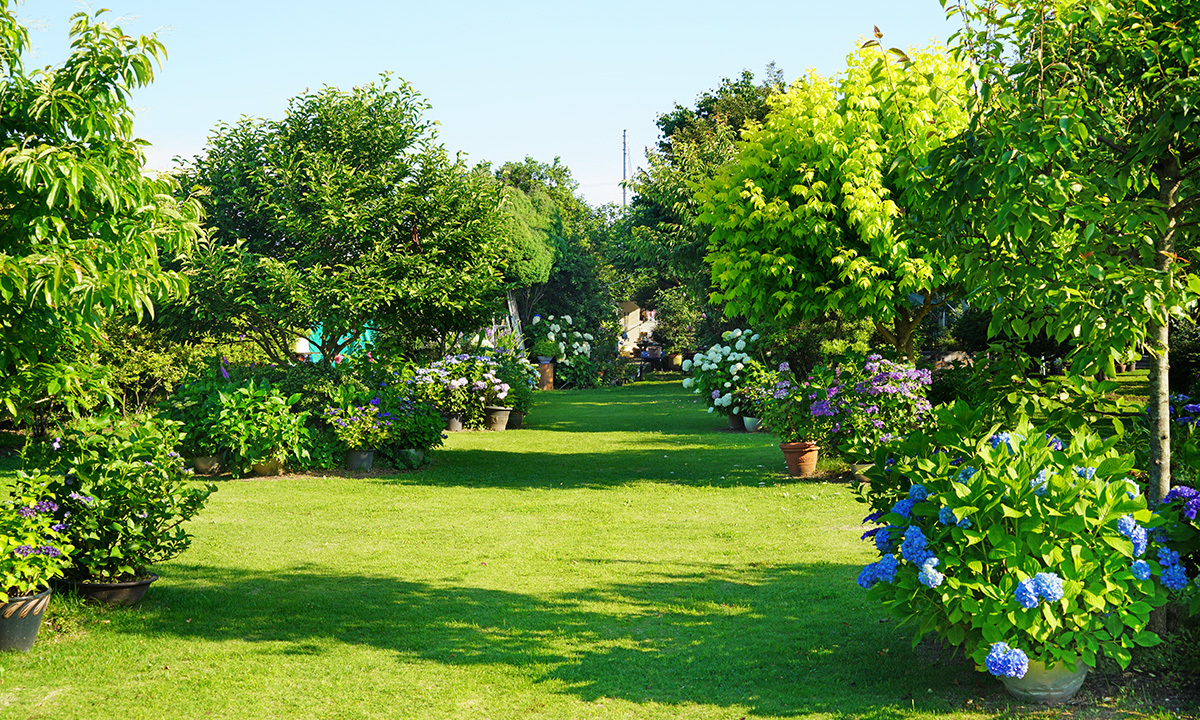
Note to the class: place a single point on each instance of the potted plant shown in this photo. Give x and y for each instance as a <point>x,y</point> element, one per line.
<point>259,428</point>
<point>521,376</point>
<point>754,394</point>
<point>416,429</point>
<point>718,373</point>
<point>1031,553</point>
<point>33,551</point>
<point>122,495</point>
<point>362,429</point>
<point>799,411</point>
<point>495,392</point>
<point>873,401</point>
<point>196,405</point>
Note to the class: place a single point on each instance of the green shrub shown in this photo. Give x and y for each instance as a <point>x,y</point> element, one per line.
<point>33,544</point>
<point>122,493</point>
<point>258,425</point>
<point>677,319</point>
<point>1014,537</point>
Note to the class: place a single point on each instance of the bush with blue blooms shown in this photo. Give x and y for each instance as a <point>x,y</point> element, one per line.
<point>1058,563</point>
<point>1180,560</point>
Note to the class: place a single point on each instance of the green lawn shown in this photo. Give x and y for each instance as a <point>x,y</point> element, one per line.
<point>621,558</point>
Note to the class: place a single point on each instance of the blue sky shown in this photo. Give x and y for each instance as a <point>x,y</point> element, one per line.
<point>506,79</point>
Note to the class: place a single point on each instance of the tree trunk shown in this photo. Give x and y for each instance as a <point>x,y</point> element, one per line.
<point>1160,414</point>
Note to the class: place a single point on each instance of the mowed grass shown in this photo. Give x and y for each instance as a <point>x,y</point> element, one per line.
<point>621,558</point>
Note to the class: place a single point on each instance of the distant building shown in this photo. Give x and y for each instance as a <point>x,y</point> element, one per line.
<point>637,325</point>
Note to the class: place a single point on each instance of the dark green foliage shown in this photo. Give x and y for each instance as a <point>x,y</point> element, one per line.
<point>1185,356</point>
<point>346,214</point>
<point>678,319</point>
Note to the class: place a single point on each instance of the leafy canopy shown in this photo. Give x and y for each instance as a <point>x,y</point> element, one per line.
<point>807,220</point>
<point>82,228</point>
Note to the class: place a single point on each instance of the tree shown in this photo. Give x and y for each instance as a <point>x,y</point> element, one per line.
<point>1075,183</point>
<point>807,219</point>
<point>664,244</point>
<point>348,215</point>
<point>82,229</point>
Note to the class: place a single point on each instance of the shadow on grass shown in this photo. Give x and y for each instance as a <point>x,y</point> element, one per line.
<point>727,466</point>
<point>778,640</point>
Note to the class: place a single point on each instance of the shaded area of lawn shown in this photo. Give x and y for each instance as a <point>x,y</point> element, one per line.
<point>767,638</point>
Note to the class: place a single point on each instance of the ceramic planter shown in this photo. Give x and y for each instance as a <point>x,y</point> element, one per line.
<point>273,466</point>
<point>496,417</point>
<point>515,420</point>
<point>752,424</point>
<point>359,459</point>
<point>121,593</point>
<point>20,619</point>
<point>1049,686</point>
<point>207,464</point>
<point>801,457</point>
<point>736,424</point>
<point>454,423</point>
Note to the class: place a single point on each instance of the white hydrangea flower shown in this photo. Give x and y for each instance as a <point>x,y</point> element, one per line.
<point>688,382</point>
<point>710,409</point>
<point>736,369</point>
<point>737,410</point>
<point>755,338</point>
<point>726,335</point>
<point>735,333</point>
<point>550,337</point>
<point>588,337</point>
<point>725,350</point>
<point>727,385</point>
<point>567,319</point>
<point>741,345</point>
<point>687,365</point>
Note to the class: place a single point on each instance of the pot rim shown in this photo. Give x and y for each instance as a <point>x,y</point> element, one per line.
<point>151,577</point>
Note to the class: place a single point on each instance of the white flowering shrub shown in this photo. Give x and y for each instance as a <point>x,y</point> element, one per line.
<point>557,338</point>
<point>720,371</point>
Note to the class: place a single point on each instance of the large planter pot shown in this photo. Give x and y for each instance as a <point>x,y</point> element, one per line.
<point>1049,686</point>
<point>751,423</point>
<point>516,420</point>
<point>675,361</point>
<point>496,417</point>
<point>454,423</point>
<point>273,466</point>
<point>411,458</point>
<point>20,619</point>
<point>122,593</point>
<point>801,457</point>
<point>207,464</point>
<point>545,375</point>
<point>736,424</point>
<point>359,459</point>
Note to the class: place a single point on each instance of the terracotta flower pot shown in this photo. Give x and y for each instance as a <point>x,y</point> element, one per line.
<point>273,466</point>
<point>801,457</point>
<point>545,375</point>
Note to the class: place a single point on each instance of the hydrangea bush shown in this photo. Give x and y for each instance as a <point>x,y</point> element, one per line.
<point>718,373</point>
<point>121,495</point>
<point>558,338</point>
<point>458,385</point>
<point>872,401</point>
<point>360,427</point>
<point>792,406</point>
<point>1181,556</point>
<point>1016,546</point>
<point>33,548</point>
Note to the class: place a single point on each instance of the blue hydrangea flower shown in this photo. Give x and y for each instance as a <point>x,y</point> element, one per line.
<point>1003,661</point>
<point>1085,473</point>
<point>1026,594</point>
<point>965,523</point>
<point>1001,437</point>
<point>1129,527</point>
<point>1048,586</point>
<point>946,516</point>
<point>882,571</point>
<point>1054,443</point>
<point>928,576</point>
<point>1141,569</point>
<point>913,548</point>
<point>1126,525</point>
<point>1041,482</point>
<point>918,493</point>
<point>883,539</point>
<point>965,474</point>
<point>1175,578</point>
<point>904,507</point>
<point>1167,556</point>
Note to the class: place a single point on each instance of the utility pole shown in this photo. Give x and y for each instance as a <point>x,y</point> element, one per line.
<point>624,157</point>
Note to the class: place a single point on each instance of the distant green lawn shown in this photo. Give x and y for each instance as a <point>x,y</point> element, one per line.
<point>621,558</point>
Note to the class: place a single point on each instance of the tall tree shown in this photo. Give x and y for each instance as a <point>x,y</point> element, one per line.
<point>345,214</point>
<point>807,219</point>
<point>1076,181</point>
<point>82,228</point>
